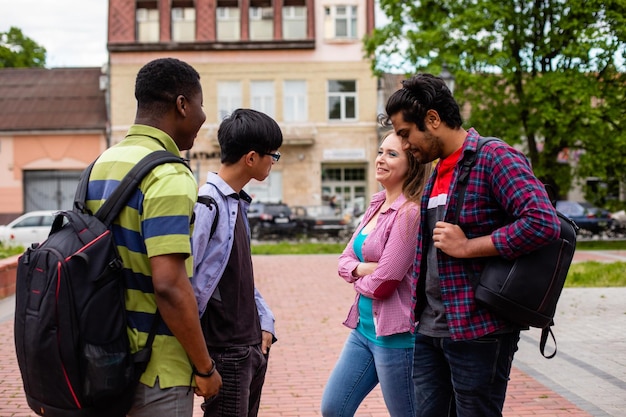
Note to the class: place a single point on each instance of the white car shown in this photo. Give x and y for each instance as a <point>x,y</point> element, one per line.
<point>31,227</point>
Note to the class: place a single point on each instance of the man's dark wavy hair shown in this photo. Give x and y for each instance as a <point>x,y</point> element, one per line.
<point>420,93</point>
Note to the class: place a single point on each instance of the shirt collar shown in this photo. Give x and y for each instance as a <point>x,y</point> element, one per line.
<point>157,134</point>
<point>225,189</point>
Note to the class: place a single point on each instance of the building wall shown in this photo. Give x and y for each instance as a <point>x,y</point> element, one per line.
<point>41,151</point>
<point>308,145</point>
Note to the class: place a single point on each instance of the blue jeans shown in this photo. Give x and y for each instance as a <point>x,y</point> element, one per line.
<point>243,374</point>
<point>465,378</point>
<point>360,367</point>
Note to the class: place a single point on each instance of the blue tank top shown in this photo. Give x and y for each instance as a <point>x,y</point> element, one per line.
<point>366,317</point>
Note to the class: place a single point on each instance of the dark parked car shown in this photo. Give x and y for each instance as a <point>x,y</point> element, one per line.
<point>318,221</point>
<point>271,219</point>
<point>588,217</point>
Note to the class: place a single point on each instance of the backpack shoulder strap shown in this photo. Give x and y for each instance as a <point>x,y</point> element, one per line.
<point>209,201</point>
<point>81,190</point>
<point>470,159</point>
<point>468,163</point>
<point>114,203</point>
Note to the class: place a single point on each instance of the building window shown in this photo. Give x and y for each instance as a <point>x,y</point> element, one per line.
<point>346,185</point>
<point>228,20</point>
<point>294,20</point>
<point>228,98</point>
<point>147,16</point>
<point>340,22</point>
<point>183,24</point>
<point>342,100</point>
<point>261,20</point>
<point>294,101</point>
<point>262,97</point>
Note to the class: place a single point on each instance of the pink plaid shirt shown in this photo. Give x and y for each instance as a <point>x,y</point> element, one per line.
<point>392,244</point>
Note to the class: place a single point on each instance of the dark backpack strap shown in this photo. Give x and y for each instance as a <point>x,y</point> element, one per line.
<point>81,190</point>
<point>545,332</point>
<point>118,199</point>
<point>468,162</point>
<point>142,357</point>
<point>209,201</point>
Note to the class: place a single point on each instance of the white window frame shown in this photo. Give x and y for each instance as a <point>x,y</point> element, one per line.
<point>261,23</point>
<point>295,105</point>
<point>183,24</point>
<point>295,22</point>
<point>147,21</point>
<point>263,97</point>
<point>336,14</point>
<point>343,97</point>
<point>229,98</point>
<point>228,23</point>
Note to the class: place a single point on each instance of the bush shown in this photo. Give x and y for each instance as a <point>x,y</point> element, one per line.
<point>8,251</point>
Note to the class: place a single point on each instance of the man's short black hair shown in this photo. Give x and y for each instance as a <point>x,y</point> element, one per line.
<point>247,130</point>
<point>164,79</point>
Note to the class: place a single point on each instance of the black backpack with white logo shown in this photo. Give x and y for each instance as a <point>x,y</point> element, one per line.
<point>70,317</point>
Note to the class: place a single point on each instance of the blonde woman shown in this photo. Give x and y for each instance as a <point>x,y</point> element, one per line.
<point>378,261</point>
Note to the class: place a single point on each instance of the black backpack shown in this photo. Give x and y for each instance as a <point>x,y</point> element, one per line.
<point>525,290</point>
<point>70,318</point>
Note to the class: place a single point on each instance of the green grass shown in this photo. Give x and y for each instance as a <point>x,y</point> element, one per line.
<point>601,245</point>
<point>308,247</point>
<point>583,274</point>
<point>298,248</point>
<point>596,274</point>
<point>7,251</point>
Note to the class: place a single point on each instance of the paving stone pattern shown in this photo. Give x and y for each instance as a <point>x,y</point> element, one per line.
<point>310,301</point>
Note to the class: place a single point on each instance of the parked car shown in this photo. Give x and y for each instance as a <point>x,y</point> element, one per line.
<point>587,216</point>
<point>271,219</point>
<point>318,221</point>
<point>31,227</point>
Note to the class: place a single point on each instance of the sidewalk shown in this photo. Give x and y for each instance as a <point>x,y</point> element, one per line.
<point>587,377</point>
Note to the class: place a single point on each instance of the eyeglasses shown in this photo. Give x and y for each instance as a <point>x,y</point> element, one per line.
<point>275,156</point>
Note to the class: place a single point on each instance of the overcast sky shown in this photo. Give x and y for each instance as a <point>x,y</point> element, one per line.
<point>74,32</point>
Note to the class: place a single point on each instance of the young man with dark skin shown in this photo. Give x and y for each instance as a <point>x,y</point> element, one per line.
<point>152,234</point>
<point>463,352</point>
<point>237,323</point>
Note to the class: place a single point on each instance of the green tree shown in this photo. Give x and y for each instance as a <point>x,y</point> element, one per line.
<point>544,73</point>
<point>19,51</point>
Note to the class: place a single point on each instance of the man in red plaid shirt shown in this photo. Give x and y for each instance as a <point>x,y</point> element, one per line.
<point>463,352</point>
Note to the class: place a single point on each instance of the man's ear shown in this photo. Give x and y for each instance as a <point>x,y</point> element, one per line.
<point>250,157</point>
<point>181,105</point>
<point>432,119</point>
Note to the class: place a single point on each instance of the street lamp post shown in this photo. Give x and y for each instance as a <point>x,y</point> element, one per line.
<point>447,77</point>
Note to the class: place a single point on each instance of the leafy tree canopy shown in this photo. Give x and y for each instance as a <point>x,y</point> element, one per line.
<point>19,51</point>
<point>545,73</point>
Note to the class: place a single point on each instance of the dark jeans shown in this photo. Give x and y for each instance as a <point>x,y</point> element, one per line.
<point>464,378</point>
<point>243,374</point>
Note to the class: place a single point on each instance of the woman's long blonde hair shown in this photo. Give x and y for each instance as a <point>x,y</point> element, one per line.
<point>416,176</point>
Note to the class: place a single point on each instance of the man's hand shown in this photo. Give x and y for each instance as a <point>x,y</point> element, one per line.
<point>266,341</point>
<point>452,241</point>
<point>208,387</point>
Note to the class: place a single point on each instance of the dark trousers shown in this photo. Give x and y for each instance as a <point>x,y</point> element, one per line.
<point>243,374</point>
<point>462,378</point>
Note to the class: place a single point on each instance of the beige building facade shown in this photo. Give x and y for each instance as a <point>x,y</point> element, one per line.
<point>310,76</point>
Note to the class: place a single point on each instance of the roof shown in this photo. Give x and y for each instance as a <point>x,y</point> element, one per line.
<point>51,99</point>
